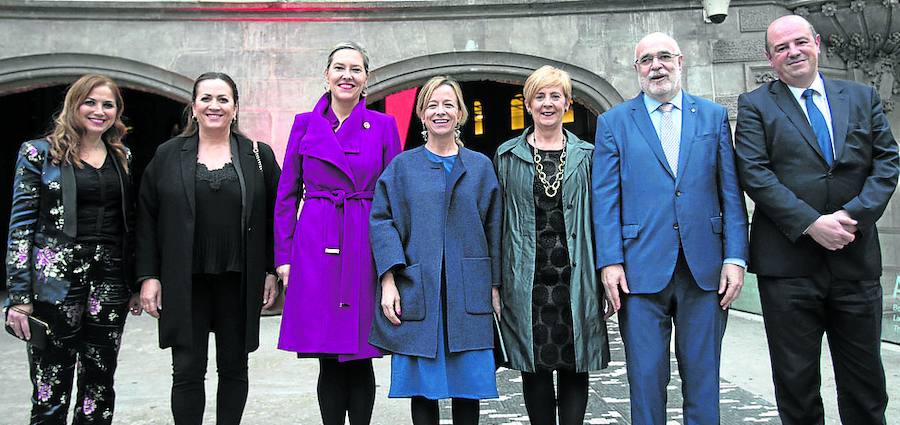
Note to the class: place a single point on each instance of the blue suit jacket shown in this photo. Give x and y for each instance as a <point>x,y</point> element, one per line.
<point>642,212</point>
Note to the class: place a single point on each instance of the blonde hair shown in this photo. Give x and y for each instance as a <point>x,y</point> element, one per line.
<point>351,45</point>
<point>547,76</point>
<point>427,91</point>
<point>68,129</point>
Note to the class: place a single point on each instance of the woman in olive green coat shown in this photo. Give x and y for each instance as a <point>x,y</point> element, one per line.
<point>552,317</point>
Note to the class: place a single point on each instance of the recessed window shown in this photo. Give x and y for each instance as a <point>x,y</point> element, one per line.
<point>569,116</point>
<point>478,112</point>
<point>517,113</point>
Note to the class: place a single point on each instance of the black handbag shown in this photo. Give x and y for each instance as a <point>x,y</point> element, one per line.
<point>40,332</point>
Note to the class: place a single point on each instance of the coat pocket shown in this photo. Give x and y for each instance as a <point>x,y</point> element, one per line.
<point>716,223</point>
<point>412,292</point>
<point>631,231</point>
<point>476,274</point>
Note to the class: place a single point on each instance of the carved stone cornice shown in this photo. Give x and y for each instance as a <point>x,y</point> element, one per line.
<point>865,34</point>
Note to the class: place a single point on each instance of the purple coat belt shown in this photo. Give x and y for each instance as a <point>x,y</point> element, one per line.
<point>335,230</point>
<point>328,178</point>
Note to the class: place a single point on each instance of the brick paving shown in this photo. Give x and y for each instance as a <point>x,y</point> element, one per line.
<point>283,388</point>
<point>608,402</point>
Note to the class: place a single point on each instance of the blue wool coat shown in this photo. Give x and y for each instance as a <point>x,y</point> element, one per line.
<point>420,219</point>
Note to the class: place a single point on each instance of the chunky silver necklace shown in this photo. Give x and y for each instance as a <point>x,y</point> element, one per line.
<point>550,189</point>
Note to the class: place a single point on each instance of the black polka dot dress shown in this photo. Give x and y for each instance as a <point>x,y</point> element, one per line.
<point>551,318</point>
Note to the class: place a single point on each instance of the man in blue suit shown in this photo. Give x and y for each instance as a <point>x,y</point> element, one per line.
<point>671,233</point>
<point>818,158</point>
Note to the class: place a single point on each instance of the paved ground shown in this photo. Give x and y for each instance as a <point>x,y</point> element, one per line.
<point>283,387</point>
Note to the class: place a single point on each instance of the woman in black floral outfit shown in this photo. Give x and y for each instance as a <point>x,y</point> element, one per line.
<point>68,260</point>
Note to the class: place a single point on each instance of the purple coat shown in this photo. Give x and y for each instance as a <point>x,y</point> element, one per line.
<point>328,306</point>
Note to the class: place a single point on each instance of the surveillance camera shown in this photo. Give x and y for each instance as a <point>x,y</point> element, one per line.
<point>716,10</point>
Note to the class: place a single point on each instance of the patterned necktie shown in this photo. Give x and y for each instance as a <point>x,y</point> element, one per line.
<point>669,137</point>
<point>819,126</point>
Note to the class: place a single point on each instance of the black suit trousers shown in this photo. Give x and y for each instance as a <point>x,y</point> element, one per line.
<point>797,312</point>
<point>217,306</point>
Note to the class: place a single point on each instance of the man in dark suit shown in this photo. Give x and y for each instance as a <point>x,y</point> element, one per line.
<point>671,233</point>
<point>817,157</point>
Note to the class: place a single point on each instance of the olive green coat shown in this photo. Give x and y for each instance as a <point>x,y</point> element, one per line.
<point>515,169</point>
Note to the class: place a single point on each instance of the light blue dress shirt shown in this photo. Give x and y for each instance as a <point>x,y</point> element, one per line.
<point>656,114</point>
<point>652,106</point>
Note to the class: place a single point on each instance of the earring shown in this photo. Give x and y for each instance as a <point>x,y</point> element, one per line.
<point>327,87</point>
<point>424,132</point>
<point>458,134</point>
<point>194,118</point>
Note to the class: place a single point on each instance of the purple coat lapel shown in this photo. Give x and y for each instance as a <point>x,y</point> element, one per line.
<point>320,140</point>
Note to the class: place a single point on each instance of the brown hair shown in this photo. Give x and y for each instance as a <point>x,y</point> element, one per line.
<point>190,125</point>
<point>68,130</point>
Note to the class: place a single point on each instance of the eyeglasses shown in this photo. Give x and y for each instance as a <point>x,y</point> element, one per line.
<point>663,57</point>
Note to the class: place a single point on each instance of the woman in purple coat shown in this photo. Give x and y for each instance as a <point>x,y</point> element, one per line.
<point>334,157</point>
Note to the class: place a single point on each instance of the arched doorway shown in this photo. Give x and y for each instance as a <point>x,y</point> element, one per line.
<point>32,90</point>
<point>496,114</point>
<point>493,78</point>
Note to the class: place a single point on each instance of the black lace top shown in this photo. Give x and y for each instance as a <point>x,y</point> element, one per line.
<point>217,227</point>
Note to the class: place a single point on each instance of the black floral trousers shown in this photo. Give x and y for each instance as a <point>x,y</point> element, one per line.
<point>86,332</point>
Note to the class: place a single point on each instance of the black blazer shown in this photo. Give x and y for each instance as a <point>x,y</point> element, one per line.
<point>781,167</point>
<point>165,230</point>
<point>43,226</point>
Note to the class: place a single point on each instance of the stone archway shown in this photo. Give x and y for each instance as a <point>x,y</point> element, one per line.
<point>591,90</point>
<point>25,73</point>
<point>32,88</point>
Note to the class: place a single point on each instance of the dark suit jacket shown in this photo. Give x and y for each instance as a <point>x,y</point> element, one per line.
<point>42,226</point>
<point>165,230</point>
<point>782,169</point>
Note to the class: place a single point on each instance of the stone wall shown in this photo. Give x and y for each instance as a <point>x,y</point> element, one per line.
<point>277,57</point>
<point>276,51</point>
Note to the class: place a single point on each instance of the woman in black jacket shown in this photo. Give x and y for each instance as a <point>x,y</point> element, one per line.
<point>69,252</point>
<point>204,248</point>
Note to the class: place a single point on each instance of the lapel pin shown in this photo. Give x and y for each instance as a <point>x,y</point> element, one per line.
<point>366,124</point>
<point>693,109</point>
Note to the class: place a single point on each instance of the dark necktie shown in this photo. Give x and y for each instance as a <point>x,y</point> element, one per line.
<point>819,126</point>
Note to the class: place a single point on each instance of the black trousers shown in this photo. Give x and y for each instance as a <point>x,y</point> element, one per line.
<point>217,305</point>
<point>86,329</point>
<point>797,312</point>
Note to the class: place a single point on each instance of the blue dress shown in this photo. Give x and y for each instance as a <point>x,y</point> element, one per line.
<point>467,374</point>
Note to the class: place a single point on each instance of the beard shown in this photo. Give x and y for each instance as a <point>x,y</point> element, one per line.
<point>663,89</point>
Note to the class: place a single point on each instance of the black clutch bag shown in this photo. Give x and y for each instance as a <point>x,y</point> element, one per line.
<point>501,359</point>
<point>40,333</point>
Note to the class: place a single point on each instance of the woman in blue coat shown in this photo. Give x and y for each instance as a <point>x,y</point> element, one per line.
<point>435,232</point>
